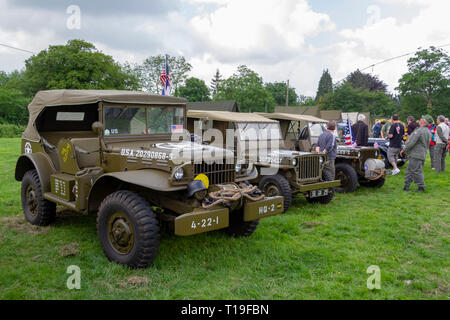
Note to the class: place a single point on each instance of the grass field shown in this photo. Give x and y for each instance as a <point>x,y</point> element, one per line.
<point>310,252</point>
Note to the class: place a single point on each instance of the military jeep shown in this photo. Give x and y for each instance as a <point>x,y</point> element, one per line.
<point>353,164</point>
<point>126,155</point>
<point>280,171</point>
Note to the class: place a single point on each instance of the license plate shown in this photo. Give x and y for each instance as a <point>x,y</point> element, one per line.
<point>199,222</point>
<point>318,193</point>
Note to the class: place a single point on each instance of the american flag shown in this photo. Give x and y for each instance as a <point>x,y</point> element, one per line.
<point>165,79</point>
<point>348,133</point>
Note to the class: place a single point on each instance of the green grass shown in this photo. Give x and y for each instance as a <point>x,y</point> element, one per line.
<point>310,252</point>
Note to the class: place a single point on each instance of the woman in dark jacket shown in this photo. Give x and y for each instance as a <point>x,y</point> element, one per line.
<point>361,131</point>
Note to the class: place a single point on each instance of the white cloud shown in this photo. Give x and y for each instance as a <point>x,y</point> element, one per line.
<point>388,38</point>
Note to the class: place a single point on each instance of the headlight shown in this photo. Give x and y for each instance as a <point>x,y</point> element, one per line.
<point>359,154</point>
<point>238,167</point>
<point>294,162</point>
<point>179,174</point>
<point>321,160</point>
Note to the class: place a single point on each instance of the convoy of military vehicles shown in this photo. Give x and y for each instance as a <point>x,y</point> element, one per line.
<point>145,164</point>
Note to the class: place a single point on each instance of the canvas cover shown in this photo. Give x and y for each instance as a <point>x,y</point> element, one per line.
<point>54,98</point>
<point>292,117</point>
<point>228,116</point>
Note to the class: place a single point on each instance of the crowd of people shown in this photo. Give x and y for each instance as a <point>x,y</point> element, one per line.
<point>419,138</point>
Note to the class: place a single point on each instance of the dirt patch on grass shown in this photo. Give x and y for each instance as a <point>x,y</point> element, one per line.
<point>133,281</point>
<point>70,249</point>
<point>22,226</point>
<point>426,228</point>
<point>312,224</point>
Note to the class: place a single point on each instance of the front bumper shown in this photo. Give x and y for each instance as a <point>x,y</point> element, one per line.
<point>319,185</point>
<point>205,220</point>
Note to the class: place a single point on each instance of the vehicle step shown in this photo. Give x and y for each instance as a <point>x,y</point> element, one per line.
<point>51,197</point>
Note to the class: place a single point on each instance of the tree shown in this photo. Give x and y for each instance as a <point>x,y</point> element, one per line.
<point>13,106</point>
<point>349,99</point>
<point>150,72</point>
<point>246,87</point>
<point>427,76</point>
<point>215,83</point>
<point>278,91</point>
<point>325,85</point>
<point>193,90</point>
<point>76,65</point>
<point>360,80</point>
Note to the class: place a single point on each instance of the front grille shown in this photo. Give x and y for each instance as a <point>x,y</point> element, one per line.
<point>309,167</point>
<point>216,173</point>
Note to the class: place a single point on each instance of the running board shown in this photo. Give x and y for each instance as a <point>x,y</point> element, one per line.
<point>53,198</point>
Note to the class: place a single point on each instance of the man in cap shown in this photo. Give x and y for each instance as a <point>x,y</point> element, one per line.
<point>327,144</point>
<point>416,148</point>
<point>440,149</point>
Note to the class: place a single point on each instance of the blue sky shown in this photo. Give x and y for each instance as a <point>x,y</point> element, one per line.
<point>279,39</point>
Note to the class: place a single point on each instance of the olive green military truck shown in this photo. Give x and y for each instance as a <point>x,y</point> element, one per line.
<point>281,172</point>
<point>353,164</point>
<point>126,155</point>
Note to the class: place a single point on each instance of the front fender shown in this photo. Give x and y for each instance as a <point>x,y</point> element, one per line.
<point>108,183</point>
<point>39,161</point>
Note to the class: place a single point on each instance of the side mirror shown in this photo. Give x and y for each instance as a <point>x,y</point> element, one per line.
<point>98,128</point>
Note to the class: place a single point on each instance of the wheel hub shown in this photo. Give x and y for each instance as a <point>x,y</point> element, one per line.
<point>120,233</point>
<point>31,200</point>
<point>271,190</point>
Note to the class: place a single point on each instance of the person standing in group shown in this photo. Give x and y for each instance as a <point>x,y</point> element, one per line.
<point>361,131</point>
<point>327,144</point>
<point>416,148</point>
<point>395,137</point>
<point>412,125</point>
<point>377,129</point>
<point>440,149</point>
<point>432,128</point>
<point>385,129</point>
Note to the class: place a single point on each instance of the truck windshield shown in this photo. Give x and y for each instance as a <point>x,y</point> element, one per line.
<point>259,131</point>
<point>143,120</point>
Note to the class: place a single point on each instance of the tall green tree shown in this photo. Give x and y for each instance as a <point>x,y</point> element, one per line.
<point>428,76</point>
<point>193,90</point>
<point>247,88</point>
<point>150,72</point>
<point>349,99</point>
<point>76,65</point>
<point>325,85</point>
<point>215,83</point>
<point>278,91</point>
<point>360,80</point>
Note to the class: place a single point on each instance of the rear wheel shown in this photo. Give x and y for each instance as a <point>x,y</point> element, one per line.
<point>128,229</point>
<point>277,185</point>
<point>37,210</point>
<point>348,177</point>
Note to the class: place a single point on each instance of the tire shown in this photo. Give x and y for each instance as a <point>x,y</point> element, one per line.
<point>128,229</point>
<point>373,183</point>
<point>348,177</point>
<point>240,228</point>
<point>37,210</point>
<point>324,199</point>
<point>277,185</point>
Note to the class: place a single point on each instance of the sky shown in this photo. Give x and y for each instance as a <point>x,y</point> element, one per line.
<point>278,39</point>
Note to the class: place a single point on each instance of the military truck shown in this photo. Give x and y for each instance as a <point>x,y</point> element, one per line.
<point>113,152</point>
<point>353,164</point>
<point>281,171</point>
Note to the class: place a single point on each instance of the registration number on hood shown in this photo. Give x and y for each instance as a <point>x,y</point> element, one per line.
<point>146,154</point>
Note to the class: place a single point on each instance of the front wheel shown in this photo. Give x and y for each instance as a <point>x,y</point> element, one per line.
<point>277,185</point>
<point>348,177</point>
<point>37,210</point>
<point>128,229</point>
